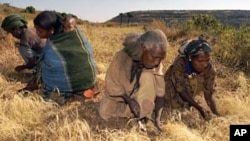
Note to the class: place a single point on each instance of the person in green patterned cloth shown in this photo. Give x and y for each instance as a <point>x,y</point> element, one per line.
<point>67,66</point>
<point>30,46</point>
<point>191,73</point>
<point>134,83</point>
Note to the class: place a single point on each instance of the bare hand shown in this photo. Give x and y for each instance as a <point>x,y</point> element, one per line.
<point>217,114</point>
<point>159,104</point>
<point>19,68</point>
<point>134,107</point>
<point>158,124</point>
<point>205,114</point>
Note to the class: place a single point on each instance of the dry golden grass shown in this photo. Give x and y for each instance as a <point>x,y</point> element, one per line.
<point>29,117</point>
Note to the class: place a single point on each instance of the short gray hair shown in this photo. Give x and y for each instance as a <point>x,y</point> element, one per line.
<point>152,38</point>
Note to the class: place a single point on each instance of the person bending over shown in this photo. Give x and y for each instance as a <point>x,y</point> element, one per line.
<point>134,83</point>
<point>191,73</point>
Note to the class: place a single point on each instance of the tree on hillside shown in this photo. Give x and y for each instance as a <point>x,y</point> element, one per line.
<point>129,15</point>
<point>30,9</point>
<point>121,15</point>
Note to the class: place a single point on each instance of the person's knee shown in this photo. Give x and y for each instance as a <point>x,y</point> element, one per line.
<point>147,107</point>
<point>105,108</point>
<point>103,113</point>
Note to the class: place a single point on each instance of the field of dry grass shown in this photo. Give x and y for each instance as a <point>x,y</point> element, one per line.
<point>29,117</point>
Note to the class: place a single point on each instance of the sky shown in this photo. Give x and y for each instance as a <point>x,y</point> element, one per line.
<point>104,10</point>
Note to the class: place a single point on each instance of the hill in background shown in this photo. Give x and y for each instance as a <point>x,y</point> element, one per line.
<point>231,17</point>
<point>27,117</point>
<point>171,17</point>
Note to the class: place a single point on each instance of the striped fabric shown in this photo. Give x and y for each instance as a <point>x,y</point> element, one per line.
<point>68,64</point>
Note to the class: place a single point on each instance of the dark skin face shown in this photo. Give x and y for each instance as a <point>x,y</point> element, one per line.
<point>16,33</point>
<point>43,33</point>
<point>200,62</point>
<point>152,58</point>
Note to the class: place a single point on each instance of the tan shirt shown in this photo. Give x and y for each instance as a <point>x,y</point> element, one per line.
<point>118,75</point>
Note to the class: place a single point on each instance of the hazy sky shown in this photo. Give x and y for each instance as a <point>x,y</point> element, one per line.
<point>103,10</point>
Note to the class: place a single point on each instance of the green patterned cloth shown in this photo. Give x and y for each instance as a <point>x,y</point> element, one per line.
<point>68,64</point>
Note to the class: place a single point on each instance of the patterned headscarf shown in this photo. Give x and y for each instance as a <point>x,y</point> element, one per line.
<point>13,21</point>
<point>196,47</point>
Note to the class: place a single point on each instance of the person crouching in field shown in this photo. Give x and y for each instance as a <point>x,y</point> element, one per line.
<point>30,46</point>
<point>68,66</point>
<point>191,73</point>
<point>134,83</point>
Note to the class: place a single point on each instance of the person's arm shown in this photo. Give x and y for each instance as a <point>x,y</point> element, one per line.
<point>210,102</point>
<point>159,105</point>
<point>209,84</point>
<point>29,65</point>
<point>28,56</point>
<point>133,105</point>
<point>186,97</point>
<point>160,93</point>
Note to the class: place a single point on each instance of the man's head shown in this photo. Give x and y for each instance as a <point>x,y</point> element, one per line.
<point>14,24</point>
<point>153,45</point>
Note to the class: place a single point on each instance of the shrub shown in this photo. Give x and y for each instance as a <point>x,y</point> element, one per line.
<point>30,9</point>
<point>233,48</point>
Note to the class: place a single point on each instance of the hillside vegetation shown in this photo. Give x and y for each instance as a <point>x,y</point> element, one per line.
<point>27,117</point>
<point>171,17</point>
